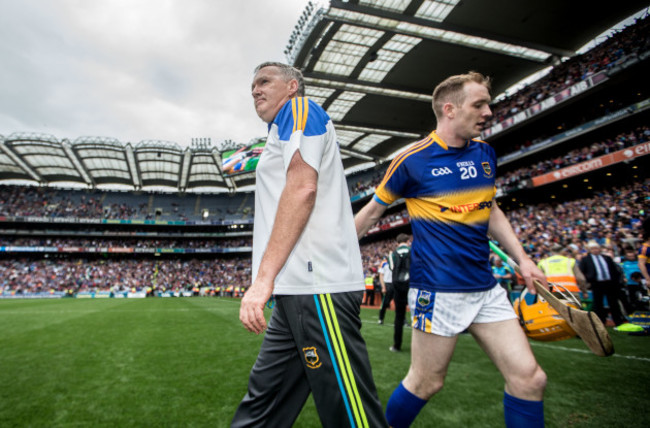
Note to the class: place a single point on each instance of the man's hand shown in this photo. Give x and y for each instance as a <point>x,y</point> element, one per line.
<point>529,271</point>
<point>251,312</point>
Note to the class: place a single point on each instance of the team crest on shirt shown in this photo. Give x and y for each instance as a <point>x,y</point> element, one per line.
<point>424,298</point>
<point>312,358</point>
<point>487,169</point>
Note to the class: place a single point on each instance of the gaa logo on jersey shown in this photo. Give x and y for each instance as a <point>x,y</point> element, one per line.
<point>312,358</point>
<point>487,169</point>
<point>437,172</point>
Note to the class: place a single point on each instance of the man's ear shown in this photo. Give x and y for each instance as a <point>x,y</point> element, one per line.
<point>293,87</point>
<point>449,110</point>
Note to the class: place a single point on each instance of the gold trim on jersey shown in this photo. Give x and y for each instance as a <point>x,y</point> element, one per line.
<point>454,207</point>
<point>300,111</point>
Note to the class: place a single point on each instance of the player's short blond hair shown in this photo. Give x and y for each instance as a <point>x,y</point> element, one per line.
<point>451,90</point>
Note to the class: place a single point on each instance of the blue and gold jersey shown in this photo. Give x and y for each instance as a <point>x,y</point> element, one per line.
<point>448,193</point>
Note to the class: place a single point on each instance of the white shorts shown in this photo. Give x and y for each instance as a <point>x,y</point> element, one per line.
<point>449,314</point>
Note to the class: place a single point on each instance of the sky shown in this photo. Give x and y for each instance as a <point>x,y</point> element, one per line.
<point>138,70</point>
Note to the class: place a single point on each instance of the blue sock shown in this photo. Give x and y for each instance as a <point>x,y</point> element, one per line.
<point>403,407</point>
<point>522,413</point>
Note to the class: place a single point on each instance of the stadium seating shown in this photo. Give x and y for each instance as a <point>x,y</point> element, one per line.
<point>609,212</point>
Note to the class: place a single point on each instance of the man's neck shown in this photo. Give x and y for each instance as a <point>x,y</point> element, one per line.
<point>450,139</point>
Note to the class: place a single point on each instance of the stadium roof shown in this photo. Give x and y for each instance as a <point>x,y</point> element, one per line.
<point>373,64</point>
<point>100,161</point>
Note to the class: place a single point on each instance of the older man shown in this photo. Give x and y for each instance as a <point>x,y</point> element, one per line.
<point>604,276</point>
<point>305,253</point>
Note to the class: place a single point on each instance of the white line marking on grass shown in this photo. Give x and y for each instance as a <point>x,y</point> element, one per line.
<point>541,345</point>
<point>584,351</point>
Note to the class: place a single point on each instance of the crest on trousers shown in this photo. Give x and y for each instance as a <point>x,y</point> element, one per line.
<point>487,169</point>
<point>312,358</point>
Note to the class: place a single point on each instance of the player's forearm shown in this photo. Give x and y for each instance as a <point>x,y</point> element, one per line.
<point>644,270</point>
<point>367,217</point>
<point>500,229</point>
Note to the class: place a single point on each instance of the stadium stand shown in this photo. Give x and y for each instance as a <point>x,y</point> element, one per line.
<point>25,277</point>
<point>631,42</point>
<point>55,203</point>
<point>54,240</point>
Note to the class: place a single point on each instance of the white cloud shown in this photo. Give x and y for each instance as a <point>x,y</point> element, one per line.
<point>137,69</point>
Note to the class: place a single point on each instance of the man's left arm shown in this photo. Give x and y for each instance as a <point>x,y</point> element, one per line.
<point>294,208</point>
<point>641,263</point>
<point>500,229</point>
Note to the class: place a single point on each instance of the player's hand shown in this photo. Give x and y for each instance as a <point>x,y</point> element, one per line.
<point>529,271</point>
<point>251,311</point>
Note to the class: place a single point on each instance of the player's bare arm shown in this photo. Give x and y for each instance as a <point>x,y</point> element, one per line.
<point>501,230</point>
<point>295,206</point>
<point>368,216</point>
<point>643,269</point>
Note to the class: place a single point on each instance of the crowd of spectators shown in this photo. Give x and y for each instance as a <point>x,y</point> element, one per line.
<point>515,179</point>
<point>82,275</point>
<point>632,40</point>
<point>611,217</point>
<point>51,202</point>
<point>48,202</point>
<point>124,243</point>
<point>357,187</point>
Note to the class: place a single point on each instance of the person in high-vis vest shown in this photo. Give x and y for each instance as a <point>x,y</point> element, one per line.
<point>562,270</point>
<point>369,298</point>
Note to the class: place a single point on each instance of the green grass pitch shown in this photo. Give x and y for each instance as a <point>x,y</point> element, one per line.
<point>185,362</point>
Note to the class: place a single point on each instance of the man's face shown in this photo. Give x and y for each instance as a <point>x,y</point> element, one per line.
<point>630,255</point>
<point>469,118</point>
<point>595,250</point>
<point>270,92</point>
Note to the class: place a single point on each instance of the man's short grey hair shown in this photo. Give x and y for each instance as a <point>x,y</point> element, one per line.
<point>288,72</point>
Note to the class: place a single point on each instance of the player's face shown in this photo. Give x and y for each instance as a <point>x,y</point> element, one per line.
<point>471,115</point>
<point>270,92</point>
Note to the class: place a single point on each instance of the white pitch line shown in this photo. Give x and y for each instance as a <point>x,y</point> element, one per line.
<point>584,351</point>
<point>543,345</point>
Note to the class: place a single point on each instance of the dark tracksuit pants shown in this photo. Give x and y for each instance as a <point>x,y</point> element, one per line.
<point>313,343</point>
<point>385,303</point>
<point>401,300</point>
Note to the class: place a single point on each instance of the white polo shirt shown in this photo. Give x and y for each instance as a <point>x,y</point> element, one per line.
<point>326,258</point>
